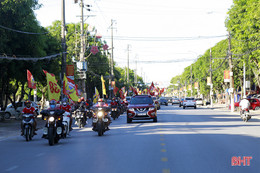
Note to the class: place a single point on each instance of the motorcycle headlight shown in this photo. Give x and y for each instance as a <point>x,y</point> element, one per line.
<point>100,114</point>
<point>51,119</point>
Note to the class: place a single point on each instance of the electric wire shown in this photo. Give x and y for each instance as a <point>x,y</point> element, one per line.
<point>22,32</point>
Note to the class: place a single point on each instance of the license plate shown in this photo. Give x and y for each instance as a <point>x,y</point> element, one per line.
<point>141,114</point>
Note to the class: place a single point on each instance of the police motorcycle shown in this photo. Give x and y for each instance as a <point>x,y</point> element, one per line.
<point>101,119</point>
<point>80,116</point>
<point>28,126</point>
<point>244,114</point>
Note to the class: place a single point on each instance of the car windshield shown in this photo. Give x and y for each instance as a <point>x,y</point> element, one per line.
<point>141,100</point>
<point>189,99</point>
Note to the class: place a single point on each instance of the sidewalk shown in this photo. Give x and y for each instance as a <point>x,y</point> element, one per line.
<point>222,107</point>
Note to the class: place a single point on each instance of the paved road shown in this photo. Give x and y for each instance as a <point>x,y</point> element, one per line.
<point>191,140</point>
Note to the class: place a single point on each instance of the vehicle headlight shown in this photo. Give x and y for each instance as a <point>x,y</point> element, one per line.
<point>100,114</point>
<point>131,109</point>
<point>51,119</point>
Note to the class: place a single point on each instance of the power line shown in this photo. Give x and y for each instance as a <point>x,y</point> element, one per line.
<point>22,32</point>
<point>30,59</point>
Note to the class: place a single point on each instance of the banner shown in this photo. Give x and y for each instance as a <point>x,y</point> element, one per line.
<point>70,89</point>
<point>196,85</point>
<point>115,90</point>
<point>53,87</point>
<point>96,96</point>
<point>209,82</point>
<point>103,85</point>
<point>31,81</point>
<point>226,76</point>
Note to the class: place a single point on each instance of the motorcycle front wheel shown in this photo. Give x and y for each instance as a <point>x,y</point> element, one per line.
<point>27,134</point>
<point>100,129</point>
<point>51,136</point>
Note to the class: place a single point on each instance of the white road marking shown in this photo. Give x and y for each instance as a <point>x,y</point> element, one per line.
<point>40,154</point>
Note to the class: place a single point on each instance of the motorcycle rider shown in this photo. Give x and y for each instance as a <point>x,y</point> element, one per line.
<point>29,110</point>
<point>67,108</point>
<point>101,104</point>
<point>244,104</point>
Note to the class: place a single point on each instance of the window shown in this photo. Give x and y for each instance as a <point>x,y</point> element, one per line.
<point>141,100</point>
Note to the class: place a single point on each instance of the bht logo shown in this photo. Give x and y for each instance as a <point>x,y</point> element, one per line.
<point>237,161</point>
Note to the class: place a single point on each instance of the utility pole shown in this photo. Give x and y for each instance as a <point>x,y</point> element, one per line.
<point>231,74</point>
<point>128,64</point>
<point>111,78</point>
<point>211,82</point>
<point>191,79</point>
<point>244,80</point>
<point>136,72</point>
<point>63,43</point>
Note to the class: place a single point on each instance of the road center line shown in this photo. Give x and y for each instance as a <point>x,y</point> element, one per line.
<point>164,159</point>
<point>166,171</point>
<point>162,144</point>
<point>163,150</point>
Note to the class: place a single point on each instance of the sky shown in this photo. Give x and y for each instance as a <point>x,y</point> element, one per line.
<point>164,36</point>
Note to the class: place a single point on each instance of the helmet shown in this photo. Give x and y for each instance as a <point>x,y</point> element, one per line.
<point>28,102</point>
<point>65,100</point>
<point>82,98</point>
<point>52,104</point>
<point>64,103</point>
<point>244,97</point>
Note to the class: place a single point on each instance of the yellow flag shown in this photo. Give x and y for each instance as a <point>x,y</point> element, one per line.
<point>53,87</point>
<point>96,96</point>
<point>69,89</point>
<point>103,85</point>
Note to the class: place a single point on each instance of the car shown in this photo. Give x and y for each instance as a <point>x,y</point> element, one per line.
<point>254,104</point>
<point>163,101</point>
<point>189,102</point>
<point>141,107</point>
<point>199,101</point>
<point>10,110</point>
<point>175,101</point>
<point>156,102</point>
<point>169,99</point>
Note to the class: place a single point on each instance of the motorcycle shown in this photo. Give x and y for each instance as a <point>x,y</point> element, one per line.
<point>80,117</point>
<point>89,113</point>
<point>114,112</point>
<point>57,125</point>
<point>27,123</point>
<point>100,121</point>
<point>244,114</point>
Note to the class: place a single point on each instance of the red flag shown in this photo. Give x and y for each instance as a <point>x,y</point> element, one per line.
<point>115,90</point>
<point>31,81</point>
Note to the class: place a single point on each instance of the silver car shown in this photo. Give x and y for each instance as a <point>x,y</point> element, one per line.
<point>189,102</point>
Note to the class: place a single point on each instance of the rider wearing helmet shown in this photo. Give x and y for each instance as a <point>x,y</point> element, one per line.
<point>29,110</point>
<point>114,103</point>
<point>66,107</point>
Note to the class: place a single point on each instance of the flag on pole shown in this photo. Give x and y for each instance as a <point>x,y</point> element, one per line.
<point>53,87</point>
<point>31,81</point>
<point>96,96</point>
<point>103,85</point>
<point>69,88</point>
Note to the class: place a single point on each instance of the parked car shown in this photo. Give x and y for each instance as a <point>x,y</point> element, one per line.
<point>199,101</point>
<point>156,102</point>
<point>254,104</point>
<point>175,101</point>
<point>10,110</point>
<point>163,101</point>
<point>189,102</point>
<point>141,107</point>
<point>169,99</point>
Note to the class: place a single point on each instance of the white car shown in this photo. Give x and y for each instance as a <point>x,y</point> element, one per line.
<point>199,101</point>
<point>10,110</point>
<point>189,102</point>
